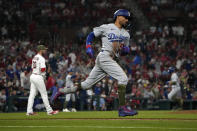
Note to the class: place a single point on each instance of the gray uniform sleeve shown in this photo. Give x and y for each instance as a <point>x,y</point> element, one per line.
<point>127,40</point>
<point>99,30</point>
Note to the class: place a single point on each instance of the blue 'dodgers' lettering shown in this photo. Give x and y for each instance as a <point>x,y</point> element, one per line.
<point>114,38</point>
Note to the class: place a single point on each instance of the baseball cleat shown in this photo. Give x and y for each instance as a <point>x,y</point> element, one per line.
<point>73,110</point>
<point>65,110</point>
<point>125,111</point>
<point>31,114</point>
<point>53,112</point>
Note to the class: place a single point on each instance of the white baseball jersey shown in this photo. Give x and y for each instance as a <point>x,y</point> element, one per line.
<point>38,84</point>
<point>111,33</point>
<point>38,62</point>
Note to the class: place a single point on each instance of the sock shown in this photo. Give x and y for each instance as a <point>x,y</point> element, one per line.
<point>180,102</point>
<point>121,94</point>
<point>73,104</point>
<point>65,104</point>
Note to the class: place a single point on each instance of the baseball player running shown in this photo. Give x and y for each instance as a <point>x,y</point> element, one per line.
<point>37,82</point>
<point>69,84</point>
<point>174,83</point>
<point>115,42</point>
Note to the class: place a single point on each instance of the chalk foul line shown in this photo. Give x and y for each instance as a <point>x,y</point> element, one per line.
<point>101,127</point>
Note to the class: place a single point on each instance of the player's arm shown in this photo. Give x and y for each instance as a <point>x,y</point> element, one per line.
<point>89,41</point>
<point>172,83</point>
<point>97,31</point>
<point>43,68</point>
<point>73,77</point>
<point>125,48</point>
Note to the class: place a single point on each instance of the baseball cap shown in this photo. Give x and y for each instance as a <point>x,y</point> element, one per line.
<point>41,47</point>
<point>171,69</point>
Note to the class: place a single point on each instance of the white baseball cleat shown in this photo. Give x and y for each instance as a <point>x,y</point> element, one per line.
<point>65,110</point>
<point>73,110</point>
<point>53,112</point>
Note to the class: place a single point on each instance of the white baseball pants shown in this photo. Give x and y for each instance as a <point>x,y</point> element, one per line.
<point>37,84</point>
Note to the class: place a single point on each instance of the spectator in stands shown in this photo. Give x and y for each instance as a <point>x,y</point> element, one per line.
<point>96,97</point>
<point>2,99</point>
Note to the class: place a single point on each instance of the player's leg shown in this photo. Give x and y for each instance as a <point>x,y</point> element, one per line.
<point>95,76</point>
<point>65,105</point>
<point>42,89</point>
<point>179,102</point>
<point>102,104</point>
<point>175,95</point>
<point>73,103</point>
<point>172,94</point>
<point>112,68</point>
<point>33,92</point>
<point>180,99</point>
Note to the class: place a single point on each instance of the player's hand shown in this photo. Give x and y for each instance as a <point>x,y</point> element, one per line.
<point>125,50</point>
<point>90,52</point>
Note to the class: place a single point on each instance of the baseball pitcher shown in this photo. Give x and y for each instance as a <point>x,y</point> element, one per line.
<point>37,82</point>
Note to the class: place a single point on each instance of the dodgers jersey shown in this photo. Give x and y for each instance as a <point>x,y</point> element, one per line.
<point>174,78</point>
<point>69,82</point>
<point>111,33</point>
<point>38,62</point>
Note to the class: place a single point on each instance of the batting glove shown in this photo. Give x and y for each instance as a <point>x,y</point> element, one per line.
<point>125,50</point>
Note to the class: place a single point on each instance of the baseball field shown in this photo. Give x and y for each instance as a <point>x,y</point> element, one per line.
<point>101,121</point>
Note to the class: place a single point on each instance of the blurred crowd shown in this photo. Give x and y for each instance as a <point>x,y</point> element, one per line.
<point>153,50</point>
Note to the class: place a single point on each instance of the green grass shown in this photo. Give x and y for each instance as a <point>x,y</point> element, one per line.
<point>100,121</point>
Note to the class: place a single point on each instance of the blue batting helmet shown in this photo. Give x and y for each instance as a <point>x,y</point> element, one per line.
<point>122,12</point>
<point>171,69</point>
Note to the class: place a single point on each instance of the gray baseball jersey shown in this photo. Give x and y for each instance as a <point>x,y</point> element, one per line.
<point>105,64</point>
<point>176,89</point>
<point>69,84</point>
<point>175,78</point>
<point>111,33</point>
